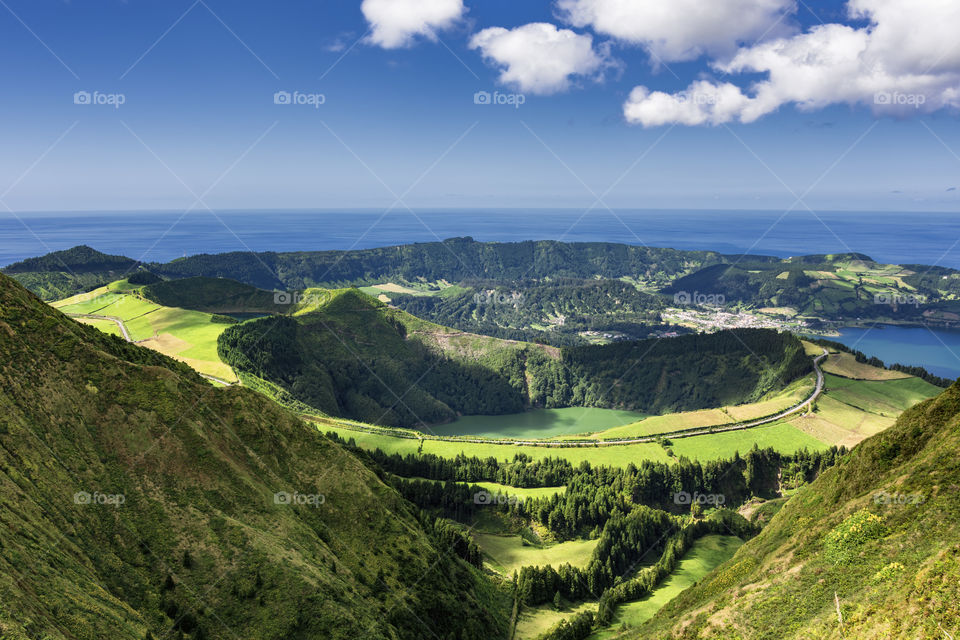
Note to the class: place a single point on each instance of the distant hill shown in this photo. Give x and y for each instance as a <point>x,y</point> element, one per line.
<point>140,502</point>
<point>868,550</point>
<point>348,355</point>
<point>570,289</point>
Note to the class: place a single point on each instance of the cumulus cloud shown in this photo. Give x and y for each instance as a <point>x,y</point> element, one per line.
<point>397,23</point>
<point>540,58</point>
<point>905,61</point>
<point>674,30</point>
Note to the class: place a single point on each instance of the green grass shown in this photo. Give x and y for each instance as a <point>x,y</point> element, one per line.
<point>535,621</point>
<point>670,422</point>
<point>780,436</point>
<point>107,326</point>
<point>612,456</point>
<point>521,492</point>
<point>884,397</point>
<point>507,554</point>
<point>539,423</point>
<point>704,556</point>
<point>187,335</point>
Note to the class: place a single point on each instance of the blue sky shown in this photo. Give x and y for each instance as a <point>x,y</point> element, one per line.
<point>399,119</point>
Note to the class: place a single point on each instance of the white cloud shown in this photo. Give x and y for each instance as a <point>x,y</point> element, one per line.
<point>681,29</point>
<point>906,61</point>
<point>397,23</point>
<point>538,57</point>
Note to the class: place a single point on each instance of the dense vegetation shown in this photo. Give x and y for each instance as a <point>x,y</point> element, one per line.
<point>627,510</point>
<point>140,502</point>
<point>349,355</point>
<point>213,295</point>
<point>874,537</point>
<point>63,273</point>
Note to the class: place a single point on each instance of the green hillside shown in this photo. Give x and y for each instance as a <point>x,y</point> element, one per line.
<point>349,355</point>
<point>554,292</point>
<point>64,273</point>
<point>140,502</point>
<point>868,550</point>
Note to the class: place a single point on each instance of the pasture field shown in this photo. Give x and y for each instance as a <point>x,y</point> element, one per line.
<point>521,492</point>
<point>795,393</point>
<point>611,456</point>
<point>846,365</point>
<point>107,326</point>
<point>186,335</point>
<point>507,554</point>
<point>883,397</point>
<point>535,621</point>
<point>666,423</point>
<point>780,436</point>
<point>704,556</point>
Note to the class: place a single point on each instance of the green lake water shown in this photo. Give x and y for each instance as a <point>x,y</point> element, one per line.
<point>539,423</point>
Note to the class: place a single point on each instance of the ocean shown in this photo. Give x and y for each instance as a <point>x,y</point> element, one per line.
<point>900,238</point>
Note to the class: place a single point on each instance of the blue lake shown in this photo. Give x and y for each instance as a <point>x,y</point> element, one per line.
<point>938,351</point>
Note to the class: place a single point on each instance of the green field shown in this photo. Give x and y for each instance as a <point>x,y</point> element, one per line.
<point>534,621</point>
<point>780,436</point>
<point>706,554</point>
<point>884,397</point>
<point>507,554</point>
<point>107,326</point>
<point>612,456</point>
<point>186,335</point>
<point>493,487</point>
<point>539,423</point>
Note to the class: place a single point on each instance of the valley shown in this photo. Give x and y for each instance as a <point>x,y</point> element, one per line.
<point>551,467</point>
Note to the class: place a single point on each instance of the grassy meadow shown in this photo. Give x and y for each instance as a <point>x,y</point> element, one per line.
<point>704,556</point>
<point>189,336</point>
<point>508,553</point>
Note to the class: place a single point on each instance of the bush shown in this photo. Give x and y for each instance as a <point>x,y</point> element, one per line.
<point>843,543</point>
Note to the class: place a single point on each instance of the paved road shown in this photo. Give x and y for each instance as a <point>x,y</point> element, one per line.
<point>685,433</point>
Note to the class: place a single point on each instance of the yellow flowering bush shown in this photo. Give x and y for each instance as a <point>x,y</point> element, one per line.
<point>846,538</point>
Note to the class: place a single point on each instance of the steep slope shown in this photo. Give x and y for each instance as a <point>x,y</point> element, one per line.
<point>871,549</point>
<point>138,501</point>
<point>349,355</point>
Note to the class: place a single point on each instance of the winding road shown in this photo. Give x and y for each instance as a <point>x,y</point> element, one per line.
<point>683,433</point>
